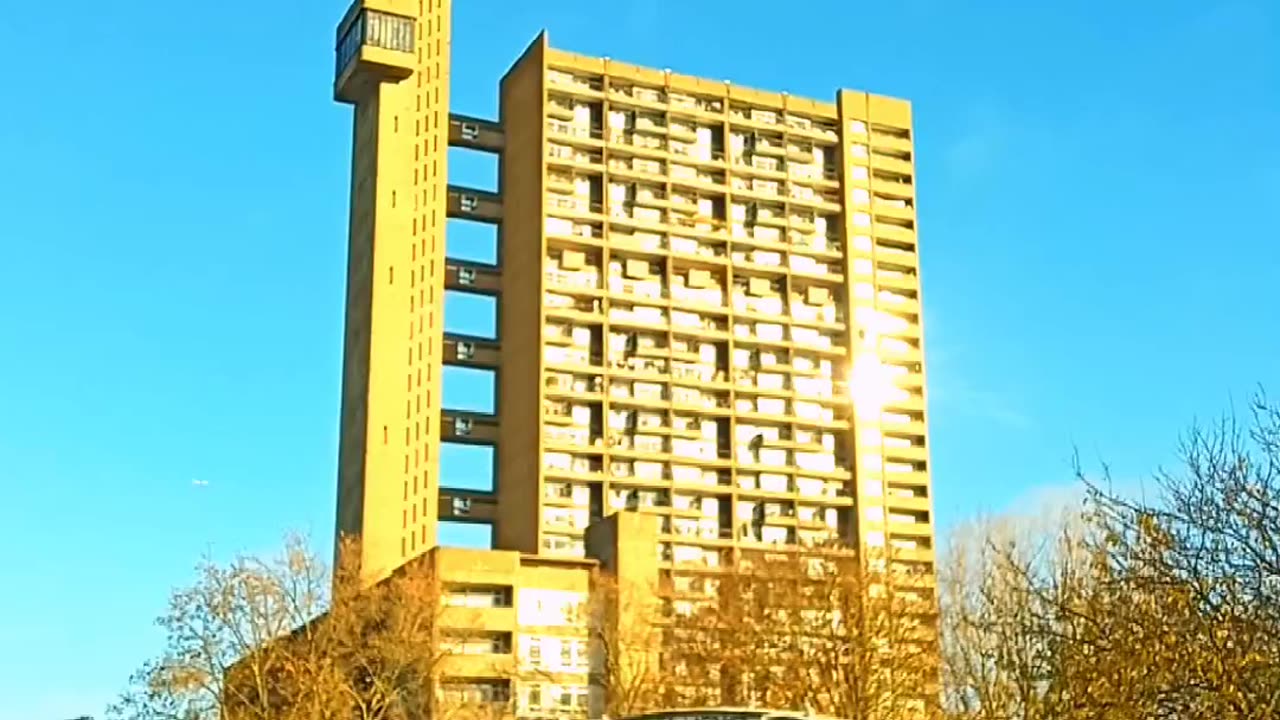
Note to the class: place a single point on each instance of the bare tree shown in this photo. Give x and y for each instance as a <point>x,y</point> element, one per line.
<point>811,630</point>
<point>847,640</point>
<point>1159,606</point>
<point>1002,583</point>
<point>1194,571</point>
<point>626,647</point>
<point>284,638</point>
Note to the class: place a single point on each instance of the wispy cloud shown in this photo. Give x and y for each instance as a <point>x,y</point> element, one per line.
<point>1056,499</point>
<point>954,391</point>
<point>998,406</point>
<point>1049,499</point>
<point>984,129</point>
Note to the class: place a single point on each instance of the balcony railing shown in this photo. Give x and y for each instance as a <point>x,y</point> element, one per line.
<point>563,127</point>
<point>375,29</point>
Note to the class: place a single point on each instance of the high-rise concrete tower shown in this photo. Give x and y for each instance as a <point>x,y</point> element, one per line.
<point>708,307</point>
<point>393,66</point>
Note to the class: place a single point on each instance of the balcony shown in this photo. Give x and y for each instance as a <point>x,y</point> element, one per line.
<point>892,184</point>
<point>897,252</point>
<point>632,214</point>
<point>898,163</point>
<point>561,182</point>
<point>565,307</point>
<point>584,388</point>
<point>642,242</point>
<point>896,279</point>
<point>652,144</point>
<point>893,208</point>
<point>560,110</point>
<point>910,453</point>
<point>651,198</point>
<point>586,281</point>
<point>573,131</point>
<point>799,154</point>
<point>681,103</point>
<point>373,47</point>
<point>898,326</point>
<point>576,84</point>
<point>469,665</point>
<point>565,154</point>
<point>638,96</point>
<point>895,141</point>
<point>700,223</point>
<point>897,350</point>
<point>755,117</point>
<point>679,131</point>
<point>572,206</point>
<point>913,555</point>
<point>896,501</point>
<point>759,165</point>
<point>815,244</point>
<point>572,358</point>
<point>916,478</point>
<point>629,166</point>
<point>893,231</point>
<point>638,317</point>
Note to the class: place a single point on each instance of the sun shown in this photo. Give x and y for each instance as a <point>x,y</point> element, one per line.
<point>871,385</point>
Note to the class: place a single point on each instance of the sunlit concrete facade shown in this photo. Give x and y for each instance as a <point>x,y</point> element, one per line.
<point>393,66</point>
<point>517,627</point>
<point>709,318</point>
<point>709,307</point>
<point>728,315</point>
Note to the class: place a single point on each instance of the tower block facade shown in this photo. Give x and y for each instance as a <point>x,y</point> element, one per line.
<point>393,66</point>
<point>708,303</point>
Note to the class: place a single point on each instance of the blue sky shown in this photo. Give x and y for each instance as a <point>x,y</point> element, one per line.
<point>1098,184</point>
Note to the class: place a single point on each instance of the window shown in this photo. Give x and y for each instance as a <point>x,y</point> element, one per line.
<point>376,29</point>
<point>496,643</point>
<point>566,654</point>
<point>570,696</point>
<point>531,650</point>
<point>549,607</point>
<point>392,32</point>
<point>478,596</point>
<point>484,691</point>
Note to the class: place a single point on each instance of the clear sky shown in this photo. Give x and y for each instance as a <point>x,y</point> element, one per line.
<point>1099,185</point>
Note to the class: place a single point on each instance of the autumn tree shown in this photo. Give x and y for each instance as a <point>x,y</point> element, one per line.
<point>626,646</point>
<point>1193,571</point>
<point>287,638</point>
<point>1002,583</point>
<point>1163,604</point>
<point>786,630</point>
